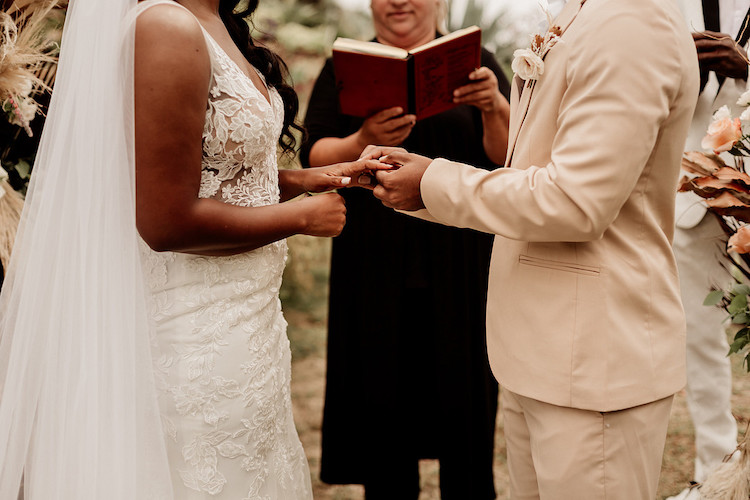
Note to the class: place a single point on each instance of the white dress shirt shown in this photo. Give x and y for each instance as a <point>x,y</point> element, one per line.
<point>731,15</point>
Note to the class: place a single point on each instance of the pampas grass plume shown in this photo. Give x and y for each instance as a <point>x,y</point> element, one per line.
<point>731,479</point>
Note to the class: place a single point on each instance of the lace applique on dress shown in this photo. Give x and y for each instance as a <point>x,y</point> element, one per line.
<point>240,136</point>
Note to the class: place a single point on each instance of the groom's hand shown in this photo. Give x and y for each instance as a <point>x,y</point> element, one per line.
<point>397,188</point>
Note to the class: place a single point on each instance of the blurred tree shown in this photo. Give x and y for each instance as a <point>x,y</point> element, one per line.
<point>498,33</point>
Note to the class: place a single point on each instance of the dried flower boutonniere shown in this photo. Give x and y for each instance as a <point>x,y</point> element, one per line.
<point>528,64</point>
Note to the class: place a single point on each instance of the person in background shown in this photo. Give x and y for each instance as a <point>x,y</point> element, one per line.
<point>699,239</point>
<point>410,380</point>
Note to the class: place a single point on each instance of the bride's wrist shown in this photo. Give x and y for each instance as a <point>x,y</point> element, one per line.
<point>293,181</point>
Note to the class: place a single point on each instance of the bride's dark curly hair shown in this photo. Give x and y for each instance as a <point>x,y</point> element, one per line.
<point>272,67</point>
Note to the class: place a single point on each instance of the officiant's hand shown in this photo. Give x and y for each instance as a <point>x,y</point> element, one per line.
<point>389,127</point>
<point>397,187</point>
<point>719,53</point>
<point>483,92</point>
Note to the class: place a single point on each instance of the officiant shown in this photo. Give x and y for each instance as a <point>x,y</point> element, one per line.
<point>408,376</point>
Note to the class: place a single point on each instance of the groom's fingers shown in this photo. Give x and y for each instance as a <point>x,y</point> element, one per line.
<point>398,158</point>
<point>376,165</point>
<point>384,195</point>
<point>373,152</point>
<point>386,182</point>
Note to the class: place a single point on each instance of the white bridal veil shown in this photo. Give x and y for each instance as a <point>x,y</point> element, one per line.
<point>78,412</point>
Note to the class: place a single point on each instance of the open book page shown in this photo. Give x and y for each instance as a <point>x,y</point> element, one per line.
<point>377,49</point>
<point>445,39</point>
<point>369,83</point>
<point>440,68</point>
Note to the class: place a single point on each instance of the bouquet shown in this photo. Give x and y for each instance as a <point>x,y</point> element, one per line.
<point>726,191</point>
<point>725,187</point>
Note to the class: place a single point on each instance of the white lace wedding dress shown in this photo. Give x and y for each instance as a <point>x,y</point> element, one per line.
<point>223,360</point>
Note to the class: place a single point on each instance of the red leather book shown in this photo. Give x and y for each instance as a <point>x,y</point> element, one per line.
<point>371,77</point>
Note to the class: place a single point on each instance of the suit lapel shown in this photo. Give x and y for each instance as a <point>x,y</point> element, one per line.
<point>524,89</point>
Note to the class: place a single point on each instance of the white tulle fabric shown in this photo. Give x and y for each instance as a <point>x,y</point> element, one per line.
<point>224,363</point>
<point>78,410</point>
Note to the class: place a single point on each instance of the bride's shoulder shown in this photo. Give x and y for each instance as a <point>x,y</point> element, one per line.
<point>167,22</point>
<point>170,49</point>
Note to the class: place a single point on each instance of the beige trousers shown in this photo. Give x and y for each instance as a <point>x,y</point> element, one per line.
<point>559,453</point>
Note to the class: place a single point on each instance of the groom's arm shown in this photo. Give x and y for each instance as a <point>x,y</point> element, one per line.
<point>619,93</point>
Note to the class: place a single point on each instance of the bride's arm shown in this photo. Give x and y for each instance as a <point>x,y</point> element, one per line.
<point>320,179</point>
<point>172,74</point>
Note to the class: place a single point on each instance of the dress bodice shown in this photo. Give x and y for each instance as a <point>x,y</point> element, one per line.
<point>241,131</point>
<point>239,167</point>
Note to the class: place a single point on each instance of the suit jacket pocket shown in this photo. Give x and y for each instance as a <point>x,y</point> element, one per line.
<point>571,267</point>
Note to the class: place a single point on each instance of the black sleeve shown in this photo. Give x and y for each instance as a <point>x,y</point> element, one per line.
<point>489,61</point>
<point>323,118</point>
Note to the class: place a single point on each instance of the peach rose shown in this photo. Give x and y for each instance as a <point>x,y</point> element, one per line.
<point>723,132</point>
<point>740,241</point>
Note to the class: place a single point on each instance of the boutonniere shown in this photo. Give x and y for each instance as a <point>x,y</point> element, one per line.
<point>528,63</point>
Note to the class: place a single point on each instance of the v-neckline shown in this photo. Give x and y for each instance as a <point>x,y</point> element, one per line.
<point>267,95</point>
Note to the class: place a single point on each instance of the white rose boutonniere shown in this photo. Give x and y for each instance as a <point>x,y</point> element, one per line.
<point>528,64</point>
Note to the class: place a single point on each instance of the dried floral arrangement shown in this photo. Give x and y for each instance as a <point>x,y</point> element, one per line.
<point>27,54</point>
<point>29,44</point>
<point>726,191</point>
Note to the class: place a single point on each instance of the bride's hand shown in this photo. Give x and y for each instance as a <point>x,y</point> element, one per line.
<point>323,214</point>
<point>338,175</point>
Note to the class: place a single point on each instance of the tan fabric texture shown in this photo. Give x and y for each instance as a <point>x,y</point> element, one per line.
<point>584,307</point>
<point>570,454</point>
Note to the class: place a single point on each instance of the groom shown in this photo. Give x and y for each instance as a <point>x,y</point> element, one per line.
<point>585,329</point>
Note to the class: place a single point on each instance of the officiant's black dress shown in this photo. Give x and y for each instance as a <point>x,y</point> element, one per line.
<point>408,375</point>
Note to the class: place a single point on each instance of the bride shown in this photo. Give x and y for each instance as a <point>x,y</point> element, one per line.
<point>155,364</point>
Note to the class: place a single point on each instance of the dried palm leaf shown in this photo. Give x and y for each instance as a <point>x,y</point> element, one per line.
<point>11,205</point>
<point>726,204</point>
<point>24,50</point>
<point>699,163</point>
<point>713,187</point>
<point>731,175</point>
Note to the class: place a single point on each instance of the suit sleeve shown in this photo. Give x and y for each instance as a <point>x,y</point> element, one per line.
<point>619,92</point>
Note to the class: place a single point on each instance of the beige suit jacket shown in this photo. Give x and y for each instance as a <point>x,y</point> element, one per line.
<point>584,307</point>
